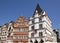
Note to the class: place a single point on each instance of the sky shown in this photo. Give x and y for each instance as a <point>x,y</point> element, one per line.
<point>10,10</point>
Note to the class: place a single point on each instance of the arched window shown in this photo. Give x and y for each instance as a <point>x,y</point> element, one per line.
<point>36,41</point>
<point>41,41</point>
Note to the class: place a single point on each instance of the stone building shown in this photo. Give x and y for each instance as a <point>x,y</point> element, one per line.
<point>40,27</point>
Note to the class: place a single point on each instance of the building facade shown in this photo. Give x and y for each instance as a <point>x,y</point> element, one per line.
<point>10,32</point>
<point>0,34</point>
<point>20,32</point>
<point>40,28</point>
<point>57,33</point>
<point>15,32</point>
<point>3,35</point>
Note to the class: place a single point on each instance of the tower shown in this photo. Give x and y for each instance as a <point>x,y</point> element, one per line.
<point>40,28</point>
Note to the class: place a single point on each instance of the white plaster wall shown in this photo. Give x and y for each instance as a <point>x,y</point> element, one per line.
<point>44,19</point>
<point>30,27</point>
<point>36,34</point>
<point>47,16</point>
<point>30,22</point>
<point>36,20</point>
<point>46,25</point>
<point>36,15</point>
<point>54,39</point>
<point>36,26</point>
<point>31,18</point>
<point>48,32</point>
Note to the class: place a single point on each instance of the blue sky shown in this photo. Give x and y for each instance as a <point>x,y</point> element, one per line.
<point>13,9</point>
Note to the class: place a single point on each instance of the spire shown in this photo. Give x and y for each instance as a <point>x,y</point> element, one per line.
<point>38,9</point>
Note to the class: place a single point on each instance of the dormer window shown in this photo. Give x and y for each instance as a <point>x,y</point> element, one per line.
<point>36,14</point>
<point>36,11</point>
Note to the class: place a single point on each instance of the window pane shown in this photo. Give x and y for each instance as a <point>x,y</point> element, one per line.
<point>40,34</point>
<point>40,26</point>
<point>32,27</point>
<point>32,34</point>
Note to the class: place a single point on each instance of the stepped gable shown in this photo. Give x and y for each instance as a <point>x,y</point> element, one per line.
<point>21,22</point>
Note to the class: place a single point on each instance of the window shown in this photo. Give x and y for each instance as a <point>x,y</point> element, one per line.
<point>15,37</point>
<point>35,31</point>
<point>36,26</point>
<point>3,33</point>
<point>40,19</point>
<point>36,20</point>
<point>32,34</point>
<point>21,30</point>
<point>32,27</point>
<point>25,37</point>
<point>40,34</point>
<point>40,26</point>
<point>3,38</point>
<point>9,34</point>
<point>22,22</point>
<point>16,30</point>
<point>32,21</point>
<point>25,30</point>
